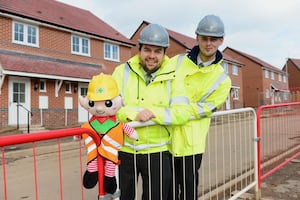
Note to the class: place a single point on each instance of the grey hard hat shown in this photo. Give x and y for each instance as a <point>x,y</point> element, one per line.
<point>211,25</point>
<point>154,34</point>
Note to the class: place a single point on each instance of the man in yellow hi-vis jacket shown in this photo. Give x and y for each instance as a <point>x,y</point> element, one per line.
<point>150,92</point>
<point>207,86</point>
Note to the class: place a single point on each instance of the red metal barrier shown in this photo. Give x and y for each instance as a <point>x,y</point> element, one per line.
<point>48,135</point>
<point>277,127</point>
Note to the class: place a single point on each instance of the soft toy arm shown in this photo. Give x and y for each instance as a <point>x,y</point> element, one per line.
<point>129,131</point>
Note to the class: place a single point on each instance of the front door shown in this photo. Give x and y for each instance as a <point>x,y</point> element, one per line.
<point>18,100</point>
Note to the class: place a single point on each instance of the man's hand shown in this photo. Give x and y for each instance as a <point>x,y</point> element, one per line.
<point>144,116</point>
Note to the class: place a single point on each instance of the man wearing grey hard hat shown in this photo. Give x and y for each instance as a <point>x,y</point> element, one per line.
<point>207,86</point>
<point>151,92</point>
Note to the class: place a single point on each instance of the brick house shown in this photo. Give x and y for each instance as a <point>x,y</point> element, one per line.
<point>234,69</point>
<point>48,53</point>
<point>292,67</point>
<point>180,43</point>
<point>262,82</point>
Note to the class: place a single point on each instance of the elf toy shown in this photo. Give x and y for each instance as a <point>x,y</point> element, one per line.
<point>103,101</point>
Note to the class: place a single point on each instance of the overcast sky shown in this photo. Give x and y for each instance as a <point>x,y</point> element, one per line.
<point>267,29</point>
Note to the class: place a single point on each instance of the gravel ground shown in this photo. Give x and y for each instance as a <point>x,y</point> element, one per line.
<point>283,184</point>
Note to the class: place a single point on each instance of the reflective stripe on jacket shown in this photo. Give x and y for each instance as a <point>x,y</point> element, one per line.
<point>89,143</point>
<point>164,96</point>
<point>207,89</point>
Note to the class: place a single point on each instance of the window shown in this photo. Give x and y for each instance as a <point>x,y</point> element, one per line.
<point>80,45</point>
<point>25,34</point>
<point>18,92</point>
<point>279,77</point>
<point>235,93</point>
<point>235,70</point>
<point>225,66</point>
<point>266,74</point>
<point>267,93</point>
<point>83,91</point>
<point>284,78</point>
<point>272,75</point>
<point>68,87</point>
<point>42,86</point>
<point>111,52</point>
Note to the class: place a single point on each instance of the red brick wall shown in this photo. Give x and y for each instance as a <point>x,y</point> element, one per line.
<point>4,104</point>
<point>55,114</point>
<point>57,44</point>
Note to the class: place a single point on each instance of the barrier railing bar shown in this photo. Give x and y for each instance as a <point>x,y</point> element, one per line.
<point>60,170</point>
<point>4,174</point>
<point>35,171</point>
<point>279,166</point>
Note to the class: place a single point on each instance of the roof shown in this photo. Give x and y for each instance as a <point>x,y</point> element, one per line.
<point>183,40</point>
<point>279,86</point>
<point>296,62</point>
<point>12,63</point>
<point>256,60</point>
<point>228,58</point>
<point>62,15</point>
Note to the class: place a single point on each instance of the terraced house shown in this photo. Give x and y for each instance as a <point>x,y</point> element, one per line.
<point>48,53</point>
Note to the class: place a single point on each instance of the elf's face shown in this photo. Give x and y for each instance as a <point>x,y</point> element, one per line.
<point>102,108</point>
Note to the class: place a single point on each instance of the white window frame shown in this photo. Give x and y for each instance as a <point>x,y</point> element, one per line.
<point>26,28</point>
<point>43,82</point>
<point>272,75</point>
<point>68,89</point>
<point>80,44</point>
<point>267,93</point>
<point>266,73</point>
<point>109,55</point>
<point>284,78</point>
<point>280,77</point>
<point>235,70</point>
<point>235,93</point>
<point>225,66</point>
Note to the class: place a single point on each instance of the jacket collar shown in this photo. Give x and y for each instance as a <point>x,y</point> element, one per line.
<point>195,51</point>
<point>163,73</point>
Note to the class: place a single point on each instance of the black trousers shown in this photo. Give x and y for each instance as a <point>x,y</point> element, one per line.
<point>155,170</point>
<point>185,179</point>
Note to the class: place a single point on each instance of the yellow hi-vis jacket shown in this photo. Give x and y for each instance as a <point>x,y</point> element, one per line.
<point>164,96</point>
<point>207,89</point>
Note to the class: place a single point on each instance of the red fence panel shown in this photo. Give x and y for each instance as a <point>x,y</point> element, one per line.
<point>32,152</point>
<point>278,129</point>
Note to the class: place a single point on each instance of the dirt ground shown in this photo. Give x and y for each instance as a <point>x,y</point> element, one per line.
<point>284,184</point>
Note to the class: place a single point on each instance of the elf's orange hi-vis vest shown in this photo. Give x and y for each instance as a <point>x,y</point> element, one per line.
<point>110,144</point>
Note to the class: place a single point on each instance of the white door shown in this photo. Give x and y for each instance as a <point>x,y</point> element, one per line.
<point>83,115</point>
<point>18,100</point>
<point>227,103</point>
